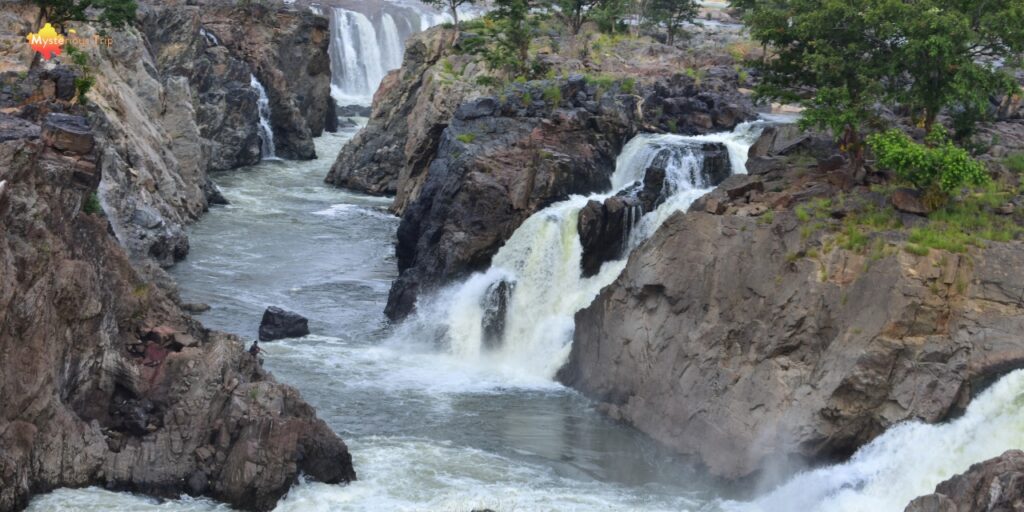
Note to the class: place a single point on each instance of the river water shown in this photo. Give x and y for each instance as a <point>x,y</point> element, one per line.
<point>431,429</point>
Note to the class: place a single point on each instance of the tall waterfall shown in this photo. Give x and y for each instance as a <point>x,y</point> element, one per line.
<point>908,460</point>
<point>267,150</point>
<point>536,275</point>
<point>365,46</point>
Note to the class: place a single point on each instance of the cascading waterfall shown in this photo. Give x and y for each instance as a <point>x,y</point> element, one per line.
<point>908,460</point>
<point>365,47</point>
<point>267,150</point>
<point>540,265</point>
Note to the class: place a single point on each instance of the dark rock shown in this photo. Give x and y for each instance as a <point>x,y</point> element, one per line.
<point>213,193</point>
<point>354,111</point>
<point>777,139</point>
<point>198,483</point>
<point>64,82</point>
<point>995,485</point>
<point>604,230</point>
<point>761,165</point>
<point>13,128</point>
<point>909,201</point>
<point>480,107</point>
<point>740,185</point>
<point>279,324</point>
<point>495,304</point>
<point>68,133</point>
<point>831,163</point>
<point>195,307</point>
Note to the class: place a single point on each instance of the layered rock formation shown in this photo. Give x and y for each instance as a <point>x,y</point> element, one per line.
<point>749,339</point>
<point>995,485</point>
<point>105,381</point>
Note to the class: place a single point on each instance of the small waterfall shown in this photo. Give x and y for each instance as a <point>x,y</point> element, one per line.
<point>908,460</point>
<point>540,265</point>
<point>211,39</point>
<point>267,150</point>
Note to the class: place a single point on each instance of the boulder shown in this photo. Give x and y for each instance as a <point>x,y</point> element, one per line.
<point>495,305</point>
<point>279,324</point>
<point>604,230</point>
<point>68,133</point>
<point>995,485</point>
<point>909,201</point>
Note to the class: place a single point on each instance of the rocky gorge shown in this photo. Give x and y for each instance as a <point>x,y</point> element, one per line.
<point>618,284</point>
<point>105,380</point>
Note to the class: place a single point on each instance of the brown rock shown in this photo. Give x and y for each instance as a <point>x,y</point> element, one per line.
<point>909,201</point>
<point>68,133</point>
<point>995,485</point>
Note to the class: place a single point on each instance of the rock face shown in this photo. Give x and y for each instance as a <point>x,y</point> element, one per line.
<point>720,340</point>
<point>105,381</point>
<point>279,324</point>
<point>995,485</point>
<point>500,160</point>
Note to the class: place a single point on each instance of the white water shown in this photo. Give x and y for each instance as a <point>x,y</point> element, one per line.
<point>542,259</point>
<point>908,460</point>
<point>267,150</point>
<point>364,47</point>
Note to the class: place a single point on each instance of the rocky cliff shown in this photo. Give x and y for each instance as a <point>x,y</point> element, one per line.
<point>105,381</point>
<point>751,335</point>
<point>176,102</point>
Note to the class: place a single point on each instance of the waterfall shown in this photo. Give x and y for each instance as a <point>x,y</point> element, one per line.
<point>211,39</point>
<point>266,131</point>
<point>540,265</point>
<point>366,45</point>
<point>908,460</point>
<point>390,43</point>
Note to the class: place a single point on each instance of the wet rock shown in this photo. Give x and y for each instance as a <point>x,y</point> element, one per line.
<point>995,485</point>
<point>195,307</point>
<point>495,304</point>
<point>213,193</point>
<point>354,111</point>
<point>909,201</point>
<point>279,324</point>
<point>604,230</point>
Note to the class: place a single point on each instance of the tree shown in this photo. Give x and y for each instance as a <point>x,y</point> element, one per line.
<point>507,31</point>
<point>670,13</point>
<point>607,13</point>
<point>841,59</point>
<point>115,13</point>
<point>453,8</point>
<point>945,52</point>
<point>936,167</point>
<point>830,56</point>
<point>574,12</point>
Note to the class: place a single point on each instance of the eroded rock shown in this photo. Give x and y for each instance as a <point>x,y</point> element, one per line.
<point>279,324</point>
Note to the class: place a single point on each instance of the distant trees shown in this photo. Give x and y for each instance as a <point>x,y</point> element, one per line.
<point>116,13</point>
<point>672,14</point>
<point>842,58</point>
<point>452,6</point>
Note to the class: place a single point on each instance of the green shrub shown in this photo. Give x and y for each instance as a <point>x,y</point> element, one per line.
<point>466,138</point>
<point>553,95</point>
<point>1015,163</point>
<point>936,165</point>
<point>527,99</point>
<point>92,205</point>
<point>83,85</point>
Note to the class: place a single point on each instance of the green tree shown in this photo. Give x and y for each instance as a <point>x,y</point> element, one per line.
<point>452,6</point>
<point>944,52</point>
<point>841,59</point>
<point>607,13</point>
<point>115,13</point>
<point>672,14</point>
<point>506,34</point>
<point>830,56</point>
<point>936,167</point>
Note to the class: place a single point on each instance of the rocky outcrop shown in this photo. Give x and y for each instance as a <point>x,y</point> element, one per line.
<point>105,381</point>
<point>278,324</point>
<point>411,108</point>
<point>747,339</point>
<point>499,161</point>
<point>995,485</point>
<point>217,45</point>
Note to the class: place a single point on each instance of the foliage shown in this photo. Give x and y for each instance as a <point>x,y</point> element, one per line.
<point>85,81</point>
<point>672,14</point>
<point>938,164</point>
<point>839,57</point>
<point>503,36</point>
<point>92,205</point>
<point>553,95</point>
<point>1015,163</point>
<point>116,13</point>
<point>466,138</point>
